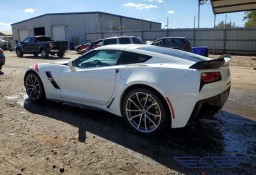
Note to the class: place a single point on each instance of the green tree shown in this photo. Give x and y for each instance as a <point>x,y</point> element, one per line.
<point>250,18</point>
<point>222,25</point>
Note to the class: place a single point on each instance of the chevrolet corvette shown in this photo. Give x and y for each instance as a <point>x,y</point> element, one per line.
<point>151,87</point>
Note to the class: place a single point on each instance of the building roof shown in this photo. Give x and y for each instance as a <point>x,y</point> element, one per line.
<point>5,33</point>
<point>227,6</point>
<point>81,13</point>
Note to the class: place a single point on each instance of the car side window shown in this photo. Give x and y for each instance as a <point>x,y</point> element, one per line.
<point>110,41</point>
<point>26,41</point>
<point>167,42</point>
<point>132,58</point>
<point>98,58</point>
<point>136,40</point>
<point>124,40</point>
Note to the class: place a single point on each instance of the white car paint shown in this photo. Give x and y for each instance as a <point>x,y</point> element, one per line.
<point>169,75</point>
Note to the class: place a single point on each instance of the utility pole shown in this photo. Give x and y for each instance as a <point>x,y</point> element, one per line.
<point>167,22</point>
<point>200,2</point>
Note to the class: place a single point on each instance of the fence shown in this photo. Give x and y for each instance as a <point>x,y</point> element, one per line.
<point>232,40</point>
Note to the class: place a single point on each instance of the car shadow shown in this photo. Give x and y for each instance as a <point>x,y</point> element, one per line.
<point>1,73</point>
<point>49,58</point>
<point>222,135</point>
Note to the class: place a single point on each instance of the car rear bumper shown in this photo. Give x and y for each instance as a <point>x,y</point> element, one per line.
<point>208,106</point>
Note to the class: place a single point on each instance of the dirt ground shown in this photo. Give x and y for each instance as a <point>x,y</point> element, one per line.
<point>50,138</point>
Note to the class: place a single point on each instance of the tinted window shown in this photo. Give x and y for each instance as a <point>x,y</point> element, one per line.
<point>167,42</point>
<point>136,40</point>
<point>132,58</point>
<point>177,41</point>
<point>124,40</point>
<point>175,53</point>
<point>43,39</point>
<point>110,41</point>
<point>98,58</point>
<point>27,40</point>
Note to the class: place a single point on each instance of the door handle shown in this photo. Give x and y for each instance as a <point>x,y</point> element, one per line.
<point>117,70</point>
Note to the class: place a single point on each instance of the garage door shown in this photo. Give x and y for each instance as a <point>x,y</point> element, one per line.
<point>23,34</point>
<point>58,33</point>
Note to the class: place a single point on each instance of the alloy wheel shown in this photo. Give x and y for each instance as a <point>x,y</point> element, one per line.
<point>143,112</point>
<point>33,87</point>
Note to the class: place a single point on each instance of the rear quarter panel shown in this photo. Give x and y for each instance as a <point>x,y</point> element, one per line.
<point>158,77</point>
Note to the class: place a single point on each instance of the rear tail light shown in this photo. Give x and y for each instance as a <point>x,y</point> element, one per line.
<point>1,51</point>
<point>209,77</point>
<point>51,45</point>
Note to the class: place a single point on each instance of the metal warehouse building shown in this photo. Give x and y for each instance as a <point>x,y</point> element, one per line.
<point>74,27</point>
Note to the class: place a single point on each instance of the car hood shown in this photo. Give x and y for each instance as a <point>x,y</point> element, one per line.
<point>64,62</point>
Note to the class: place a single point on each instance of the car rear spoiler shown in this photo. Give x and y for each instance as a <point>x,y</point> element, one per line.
<point>221,61</point>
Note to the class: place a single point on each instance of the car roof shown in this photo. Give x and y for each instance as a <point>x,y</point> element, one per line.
<point>173,37</point>
<point>154,51</point>
<point>123,36</point>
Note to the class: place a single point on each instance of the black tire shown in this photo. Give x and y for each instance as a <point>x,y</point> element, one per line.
<point>144,111</point>
<point>0,67</point>
<point>35,54</point>
<point>60,54</point>
<point>34,87</point>
<point>44,53</point>
<point>19,53</point>
<point>52,53</point>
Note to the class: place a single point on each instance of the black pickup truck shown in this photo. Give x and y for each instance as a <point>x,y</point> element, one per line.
<point>41,45</point>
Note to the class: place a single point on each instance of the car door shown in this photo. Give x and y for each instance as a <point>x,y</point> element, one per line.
<point>26,45</point>
<point>92,79</point>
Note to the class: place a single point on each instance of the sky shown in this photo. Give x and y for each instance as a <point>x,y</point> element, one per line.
<point>180,13</point>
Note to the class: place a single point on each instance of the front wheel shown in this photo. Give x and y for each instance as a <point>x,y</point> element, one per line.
<point>19,53</point>
<point>34,87</point>
<point>44,53</point>
<point>144,111</point>
<point>60,54</point>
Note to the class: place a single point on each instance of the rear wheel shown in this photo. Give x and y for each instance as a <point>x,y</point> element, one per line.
<point>34,87</point>
<point>0,67</point>
<point>19,53</point>
<point>60,54</point>
<point>144,111</point>
<point>44,53</point>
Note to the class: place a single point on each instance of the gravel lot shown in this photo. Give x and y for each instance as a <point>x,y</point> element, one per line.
<point>50,138</point>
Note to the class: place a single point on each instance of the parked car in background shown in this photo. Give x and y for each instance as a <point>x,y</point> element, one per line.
<point>2,58</point>
<point>92,45</point>
<point>151,87</point>
<point>149,42</point>
<point>41,45</point>
<point>80,47</point>
<point>180,43</point>
<point>122,40</point>
<point>114,40</point>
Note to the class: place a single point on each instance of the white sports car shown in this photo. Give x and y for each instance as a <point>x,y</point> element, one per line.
<point>152,87</point>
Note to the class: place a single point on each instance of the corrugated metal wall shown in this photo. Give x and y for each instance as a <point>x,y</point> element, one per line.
<point>235,40</point>
<point>77,25</point>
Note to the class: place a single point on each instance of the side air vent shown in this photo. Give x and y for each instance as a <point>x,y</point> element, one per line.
<point>51,79</point>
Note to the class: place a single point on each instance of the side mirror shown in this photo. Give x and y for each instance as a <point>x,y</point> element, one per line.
<point>71,65</point>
